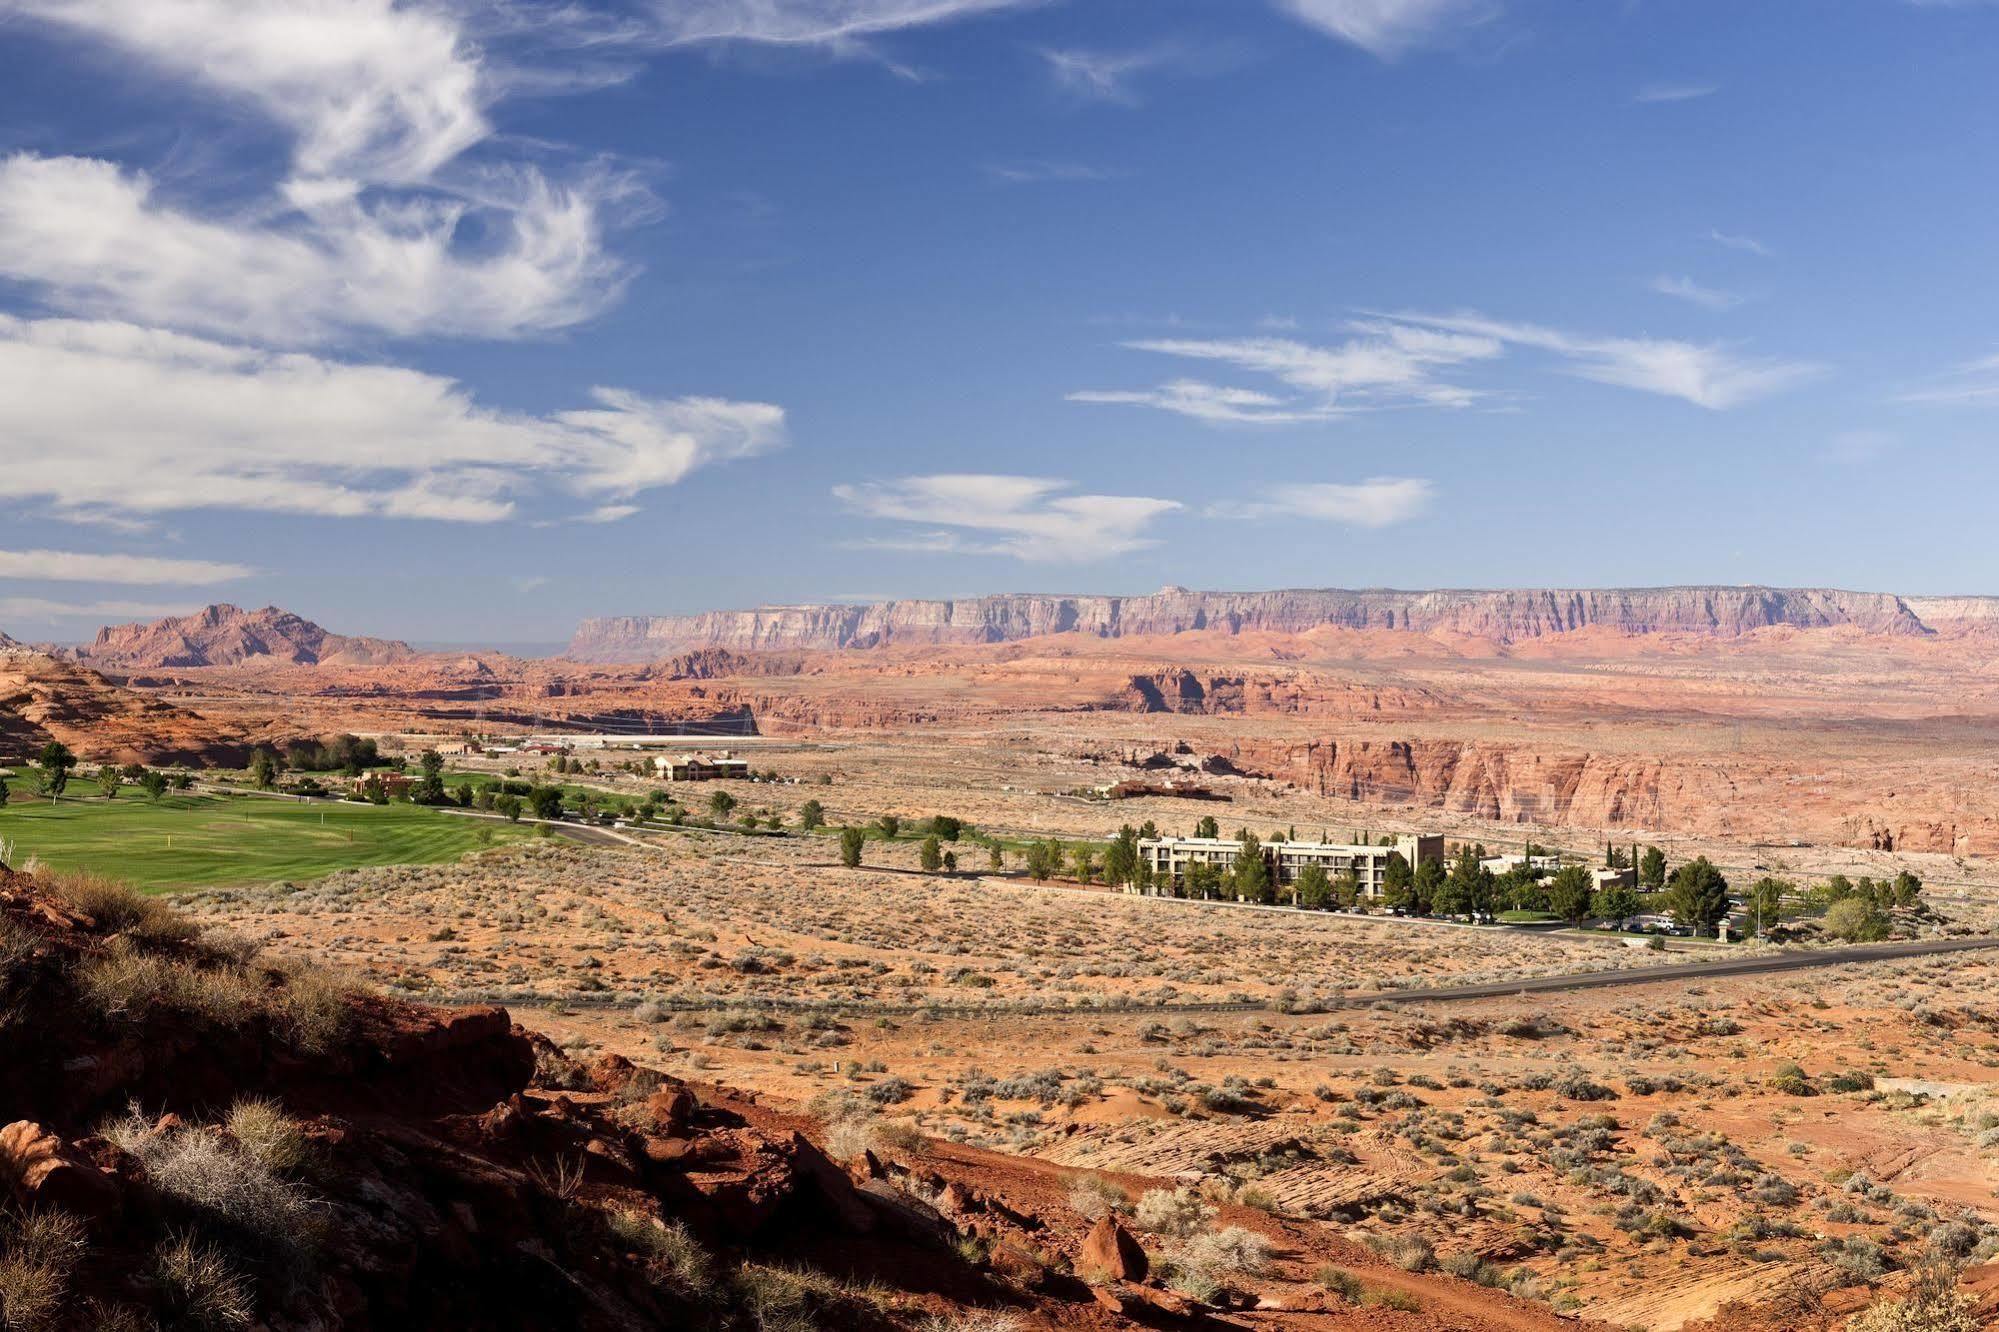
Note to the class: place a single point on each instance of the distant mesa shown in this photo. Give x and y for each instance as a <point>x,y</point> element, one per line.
<point>225,635</point>
<point>1502,616</point>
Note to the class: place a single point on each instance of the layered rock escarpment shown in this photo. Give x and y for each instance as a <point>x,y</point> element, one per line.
<point>44,699</point>
<point>1501,616</point>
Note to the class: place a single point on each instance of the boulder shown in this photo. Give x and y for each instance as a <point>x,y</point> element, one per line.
<point>1110,1253</point>
<point>34,1164</point>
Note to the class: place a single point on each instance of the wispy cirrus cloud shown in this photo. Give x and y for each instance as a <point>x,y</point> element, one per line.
<point>1734,241</point>
<point>1708,375</point>
<point>1377,502</point>
<point>1388,29</point>
<point>1033,172</point>
<point>1029,518</point>
<point>1102,76</point>
<point>113,418</point>
<point>811,22</point>
<point>1968,384</point>
<point>1692,292</point>
<point>69,566</point>
<point>1401,360</point>
<point>1674,92</point>
<point>1385,363</point>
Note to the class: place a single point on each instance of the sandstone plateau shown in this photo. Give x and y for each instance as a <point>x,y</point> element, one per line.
<point>1501,616</point>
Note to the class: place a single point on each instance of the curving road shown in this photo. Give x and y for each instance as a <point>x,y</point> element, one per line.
<point>1741,966</point>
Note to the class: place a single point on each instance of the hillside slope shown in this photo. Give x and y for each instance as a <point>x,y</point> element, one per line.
<point>43,699</point>
<point>197,1137</point>
<point>1500,616</point>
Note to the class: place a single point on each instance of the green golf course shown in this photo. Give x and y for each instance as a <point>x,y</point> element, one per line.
<point>201,841</point>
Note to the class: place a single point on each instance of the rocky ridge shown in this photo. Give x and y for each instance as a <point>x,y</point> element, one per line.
<point>226,635</point>
<point>1498,615</point>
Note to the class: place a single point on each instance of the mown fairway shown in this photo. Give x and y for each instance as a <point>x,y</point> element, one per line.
<point>186,841</point>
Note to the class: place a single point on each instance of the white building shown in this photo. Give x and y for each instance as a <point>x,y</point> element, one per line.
<point>1170,857</point>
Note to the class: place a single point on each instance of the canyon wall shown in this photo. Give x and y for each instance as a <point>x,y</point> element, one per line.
<point>225,635</point>
<point>1502,616</point>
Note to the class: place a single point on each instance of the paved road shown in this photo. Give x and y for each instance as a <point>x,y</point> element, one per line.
<point>1741,966</point>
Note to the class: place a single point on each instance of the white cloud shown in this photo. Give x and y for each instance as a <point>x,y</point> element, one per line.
<point>1103,76</point>
<point>810,22</point>
<point>1379,501</point>
<point>1025,517</point>
<point>1747,244</point>
<point>1686,289</point>
<point>378,224</point>
<point>1974,383</point>
<point>373,90</point>
<point>1705,374</point>
<point>1674,92</point>
<point>1214,403</point>
<point>96,241</point>
<point>77,567</point>
<point>1388,28</point>
<point>1385,363</point>
<point>110,417</point>
<point>1034,172</point>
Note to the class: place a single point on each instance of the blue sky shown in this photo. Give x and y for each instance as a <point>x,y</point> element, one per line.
<point>461,321</point>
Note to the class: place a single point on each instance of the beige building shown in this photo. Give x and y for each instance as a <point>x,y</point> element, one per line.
<point>1169,858</point>
<point>699,768</point>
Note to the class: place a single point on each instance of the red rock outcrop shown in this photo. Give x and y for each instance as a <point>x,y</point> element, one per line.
<point>43,699</point>
<point>225,635</point>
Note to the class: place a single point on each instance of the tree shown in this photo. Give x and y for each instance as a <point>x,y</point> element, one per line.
<point>811,815</point>
<point>890,826</point>
<point>1652,869</point>
<point>264,769</point>
<point>950,862</point>
<point>1469,889</point>
<point>1908,889</point>
<point>945,827</point>
<point>1207,827</point>
<point>931,855</point>
<point>1249,876</point>
<point>1569,894</point>
<point>720,803</point>
<point>1396,878</point>
<point>55,763</point>
<point>1766,903</point>
<point>1121,858</point>
<point>851,842</point>
<point>995,856</point>
<point>1855,920</point>
<point>464,795</point>
<point>374,791</point>
<point>1615,903</point>
<point>109,779</point>
<point>509,806</point>
<point>1313,890</point>
<point>1424,888</point>
<point>1697,896</point>
<point>1346,890</point>
<point>3,786</point>
<point>1204,880</point>
<point>430,786</point>
<point>546,802</point>
<point>1083,864</point>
